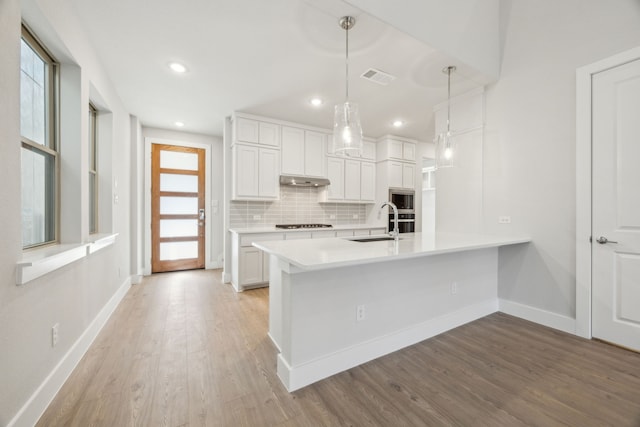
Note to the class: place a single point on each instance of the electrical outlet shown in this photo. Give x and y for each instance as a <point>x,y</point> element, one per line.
<point>360,313</point>
<point>454,288</point>
<point>504,219</point>
<point>332,216</point>
<point>355,216</point>
<point>54,334</point>
<point>256,217</point>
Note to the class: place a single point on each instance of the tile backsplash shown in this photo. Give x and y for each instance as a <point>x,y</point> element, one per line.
<point>297,205</point>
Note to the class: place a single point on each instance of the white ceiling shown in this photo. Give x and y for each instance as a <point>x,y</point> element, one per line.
<point>263,57</point>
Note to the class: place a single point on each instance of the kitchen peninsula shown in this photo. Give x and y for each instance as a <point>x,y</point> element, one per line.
<point>335,303</point>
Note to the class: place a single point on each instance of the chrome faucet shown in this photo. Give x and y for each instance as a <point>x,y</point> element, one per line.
<point>395,233</point>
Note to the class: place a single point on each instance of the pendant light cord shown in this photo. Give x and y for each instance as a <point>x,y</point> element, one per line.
<point>347,63</point>
<point>449,100</point>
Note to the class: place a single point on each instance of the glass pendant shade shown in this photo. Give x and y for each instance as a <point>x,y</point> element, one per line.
<point>347,131</point>
<point>446,150</point>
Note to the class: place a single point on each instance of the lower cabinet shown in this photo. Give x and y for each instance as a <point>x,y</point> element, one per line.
<point>253,267</point>
<point>250,266</point>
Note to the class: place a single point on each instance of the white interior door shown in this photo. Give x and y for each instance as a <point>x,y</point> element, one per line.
<point>616,205</point>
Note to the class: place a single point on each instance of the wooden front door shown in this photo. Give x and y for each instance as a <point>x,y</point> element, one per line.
<point>177,208</point>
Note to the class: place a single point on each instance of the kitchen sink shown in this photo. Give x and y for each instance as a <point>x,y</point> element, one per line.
<point>372,239</point>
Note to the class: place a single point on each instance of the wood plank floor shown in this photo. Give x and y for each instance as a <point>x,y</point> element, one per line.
<point>183,349</point>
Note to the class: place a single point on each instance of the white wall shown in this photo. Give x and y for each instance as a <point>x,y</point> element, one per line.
<point>529,153</point>
<point>215,216</point>
<point>74,295</point>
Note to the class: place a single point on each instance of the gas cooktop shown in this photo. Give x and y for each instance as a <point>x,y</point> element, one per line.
<point>292,226</point>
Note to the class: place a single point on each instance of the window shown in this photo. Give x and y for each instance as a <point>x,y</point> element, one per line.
<point>39,146</point>
<point>93,169</point>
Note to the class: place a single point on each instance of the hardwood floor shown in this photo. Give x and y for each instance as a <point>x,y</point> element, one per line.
<point>183,349</point>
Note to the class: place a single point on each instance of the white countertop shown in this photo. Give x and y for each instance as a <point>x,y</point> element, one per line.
<point>273,229</point>
<point>315,254</point>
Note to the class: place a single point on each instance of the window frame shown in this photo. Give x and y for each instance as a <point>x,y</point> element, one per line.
<point>94,196</point>
<point>51,146</point>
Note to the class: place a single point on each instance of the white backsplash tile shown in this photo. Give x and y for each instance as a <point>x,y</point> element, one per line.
<point>297,205</point>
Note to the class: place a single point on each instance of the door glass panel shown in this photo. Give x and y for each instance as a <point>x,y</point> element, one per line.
<point>176,182</point>
<point>170,251</point>
<point>178,227</point>
<point>177,160</point>
<point>178,205</point>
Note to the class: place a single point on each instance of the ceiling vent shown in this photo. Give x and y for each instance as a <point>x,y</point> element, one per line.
<point>378,76</point>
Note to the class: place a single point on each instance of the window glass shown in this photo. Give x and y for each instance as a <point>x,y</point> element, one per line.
<point>39,156</point>
<point>93,169</point>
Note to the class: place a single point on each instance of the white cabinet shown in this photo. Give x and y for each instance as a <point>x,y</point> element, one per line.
<point>367,181</point>
<point>335,173</point>
<point>302,152</point>
<point>257,132</point>
<point>394,174</point>
<point>394,149</point>
<point>368,148</point>
<point>255,173</point>
<point>351,181</point>
<point>251,266</point>
<point>396,163</point>
<point>408,175</point>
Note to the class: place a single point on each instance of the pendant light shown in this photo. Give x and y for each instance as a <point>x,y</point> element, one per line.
<point>446,151</point>
<point>347,130</point>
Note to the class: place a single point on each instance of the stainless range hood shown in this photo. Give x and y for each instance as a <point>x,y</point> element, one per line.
<point>303,181</point>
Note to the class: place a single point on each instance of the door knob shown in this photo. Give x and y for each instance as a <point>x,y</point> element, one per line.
<point>602,240</point>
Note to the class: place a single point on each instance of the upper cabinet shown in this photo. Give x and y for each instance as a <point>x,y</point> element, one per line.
<point>302,152</point>
<point>368,148</point>
<point>396,163</point>
<point>256,132</point>
<point>255,173</point>
<point>394,149</point>
<point>255,160</point>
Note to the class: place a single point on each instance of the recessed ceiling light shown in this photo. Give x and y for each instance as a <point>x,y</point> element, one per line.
<point>316,102</point>
<point>179,124</point>
<point>178,67</point>
<point>398,123</point>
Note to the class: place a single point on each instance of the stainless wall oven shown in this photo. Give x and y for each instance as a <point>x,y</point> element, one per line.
<point>404,201</point>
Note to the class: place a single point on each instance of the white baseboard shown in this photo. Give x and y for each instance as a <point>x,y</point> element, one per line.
<point>299,376</point>
<point>136,279</point>
<point>537,315</point>
<point>33,409</point>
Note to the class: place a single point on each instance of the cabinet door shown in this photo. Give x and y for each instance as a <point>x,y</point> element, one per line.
<point>368,150</point>
<point>250,266</point>
<point>408,176</point>
<point>409,151</point>
<point>352,180</point>
<point>247,130</point>
<point>269,172</point>
<point>335,173</point>
<point>246,171</point>
<point>292,152</point>
<point>269,134</point>
<point>367,181</point>
<point>395,149</point>
<point>313,153</point>
<point>395,174</point>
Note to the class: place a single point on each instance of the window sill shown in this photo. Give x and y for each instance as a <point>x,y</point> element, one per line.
<point>38,262</point>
